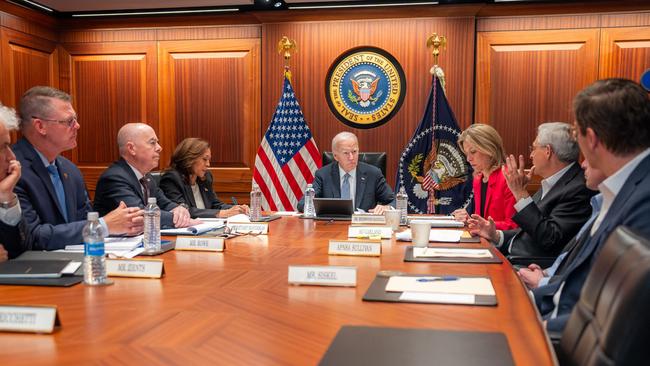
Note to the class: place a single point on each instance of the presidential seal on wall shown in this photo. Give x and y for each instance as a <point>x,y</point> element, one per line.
<point>365,87</point>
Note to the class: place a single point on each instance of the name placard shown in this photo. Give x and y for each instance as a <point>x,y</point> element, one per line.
<point>143,268</point>
<point>366,219</point>
<point>248,228</point>
<point>323,275</point>
<point>28,319</point>
<point>372,232</point>
<point>369,248</point>
<point>200,243</point>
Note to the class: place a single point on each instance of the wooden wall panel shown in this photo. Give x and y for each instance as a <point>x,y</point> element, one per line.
<point>111,84</point>
<point>624,52</point>
<point>211,89</point>
<point>530,77</point>
<point>319,44</point>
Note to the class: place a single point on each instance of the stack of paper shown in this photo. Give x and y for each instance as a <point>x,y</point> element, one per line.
<point>451,253</point>
<point>196,229</point>
<point>446,236</point>
<point>462,290</point>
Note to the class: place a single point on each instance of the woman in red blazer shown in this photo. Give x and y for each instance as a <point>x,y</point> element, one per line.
<point>493,199</point>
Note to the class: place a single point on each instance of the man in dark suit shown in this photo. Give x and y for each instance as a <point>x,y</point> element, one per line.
<point>51,190</point>
<point>11,238</point>
<point>128,179</point>
<point>347,178</point>
<point>613,133</point>
<point>548,220</point>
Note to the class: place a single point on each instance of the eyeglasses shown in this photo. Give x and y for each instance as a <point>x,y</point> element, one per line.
<point>68,122</point>
<point>533,147</point>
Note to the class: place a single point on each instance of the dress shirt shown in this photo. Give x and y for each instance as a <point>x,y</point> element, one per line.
<point>198,199</point>
<point>11,216</point>
<point>352,180</point>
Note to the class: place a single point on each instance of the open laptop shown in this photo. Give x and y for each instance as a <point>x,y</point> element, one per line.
<point>333,209</point>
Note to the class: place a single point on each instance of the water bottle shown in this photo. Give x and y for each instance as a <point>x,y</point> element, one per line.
<point>94,259</point>
<point>256,203</point>
<point>309,209</point>
<point>402,200</point>
<point>152,226</point>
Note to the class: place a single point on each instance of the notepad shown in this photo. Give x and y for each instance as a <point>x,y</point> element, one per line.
<point>462,286</point>
<point>194,230</point>
<point>446,236</point>
<point>451,253</point>
<point>443,223</point>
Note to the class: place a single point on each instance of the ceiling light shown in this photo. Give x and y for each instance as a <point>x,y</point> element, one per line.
<point>359,5</point>
<point>156,12</point>
<point>32,3</point>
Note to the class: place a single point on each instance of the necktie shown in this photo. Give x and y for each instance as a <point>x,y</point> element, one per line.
<point>58,188</point>
<point>345,187</point>
<point>145,189</point>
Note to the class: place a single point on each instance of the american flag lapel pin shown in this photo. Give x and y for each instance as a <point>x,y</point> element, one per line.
<point>65,175</point>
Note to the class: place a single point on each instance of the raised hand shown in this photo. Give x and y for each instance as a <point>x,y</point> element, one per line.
<point>516,176</point>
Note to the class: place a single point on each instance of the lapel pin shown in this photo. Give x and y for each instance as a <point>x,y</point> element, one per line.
<point>65,175</point>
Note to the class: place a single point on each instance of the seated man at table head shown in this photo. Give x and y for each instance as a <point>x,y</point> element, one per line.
<point>346,177</point>
<point>128,179</point>
<point>188,182</point>
<point>483,148</point>
<point>51,190</point>
<point>613,133</point>
<point>11,237</point>
<point>554,214</point>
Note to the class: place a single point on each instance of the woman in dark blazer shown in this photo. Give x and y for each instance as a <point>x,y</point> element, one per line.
<point>493,199</point>
<point>188,182</point>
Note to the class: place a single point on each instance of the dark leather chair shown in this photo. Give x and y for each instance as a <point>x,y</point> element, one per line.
<point>377,159</point>
<point>610,324</point>
<point>156,175</point>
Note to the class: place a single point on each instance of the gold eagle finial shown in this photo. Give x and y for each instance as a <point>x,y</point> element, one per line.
<point>287,47</point>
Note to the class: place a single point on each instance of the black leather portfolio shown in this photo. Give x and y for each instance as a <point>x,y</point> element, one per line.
<point>408,257</point>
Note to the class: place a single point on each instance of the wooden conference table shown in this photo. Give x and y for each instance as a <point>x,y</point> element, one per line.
<point>236,307</point>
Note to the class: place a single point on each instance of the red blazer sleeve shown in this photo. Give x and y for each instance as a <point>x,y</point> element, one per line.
<point>499,201</point>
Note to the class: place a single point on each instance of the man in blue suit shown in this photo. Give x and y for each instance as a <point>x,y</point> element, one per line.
<point>51,190</point>
<point>613,132</point>
<point>347,178</point>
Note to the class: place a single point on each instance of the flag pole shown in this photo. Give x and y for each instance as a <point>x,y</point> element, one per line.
<point>435,42</point>
<point>286,47</point>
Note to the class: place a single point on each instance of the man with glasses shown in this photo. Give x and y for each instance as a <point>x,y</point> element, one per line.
<point>554,214</point>
<point>51,190</point>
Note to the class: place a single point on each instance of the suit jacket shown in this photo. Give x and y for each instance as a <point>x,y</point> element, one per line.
<point>47,228</point>
<point>546,226</point>
<point>12,238</point>
<point>119,183</point>
<point>177,190</point>
<point>631,208</point>
<point>371,186</point>
<point>499,201</point>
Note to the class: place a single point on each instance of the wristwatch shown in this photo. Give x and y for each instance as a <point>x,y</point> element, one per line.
<point>9,204</point>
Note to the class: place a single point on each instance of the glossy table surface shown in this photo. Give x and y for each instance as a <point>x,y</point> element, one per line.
<point>237,307</point>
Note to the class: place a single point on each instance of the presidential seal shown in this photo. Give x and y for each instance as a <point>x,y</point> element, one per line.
<point>365,87</point>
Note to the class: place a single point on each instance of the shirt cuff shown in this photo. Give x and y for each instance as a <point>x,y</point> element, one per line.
<point>11,216</point>
<point>522,203</point>
<point>103,223</point>
<point>543,281</point>
<point>500,234</point>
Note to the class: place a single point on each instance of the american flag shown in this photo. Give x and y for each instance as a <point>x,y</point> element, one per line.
<point>287,157</point>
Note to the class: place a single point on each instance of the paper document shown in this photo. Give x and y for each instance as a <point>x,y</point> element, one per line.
<point>194,230</point>
<point>462,285</point>
<point>438,298</point>
<point>112,244</point>
<point>451,253</point>
<point>239,218</point>
<point>287,213</point>
<point>71,268</point>
<point>446,236</point>
<point>431,217</point>
<point>443,223</point>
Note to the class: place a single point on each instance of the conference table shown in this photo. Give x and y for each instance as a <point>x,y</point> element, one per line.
<point>237,308</point>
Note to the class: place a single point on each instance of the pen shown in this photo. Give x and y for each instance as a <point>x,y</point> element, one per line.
<point>441,278</point>
<point>234,200</point>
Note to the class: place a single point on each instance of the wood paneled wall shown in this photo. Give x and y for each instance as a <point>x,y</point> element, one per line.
<point>222,82</point>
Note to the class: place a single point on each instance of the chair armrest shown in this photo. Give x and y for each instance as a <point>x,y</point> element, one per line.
<point>543,262</point>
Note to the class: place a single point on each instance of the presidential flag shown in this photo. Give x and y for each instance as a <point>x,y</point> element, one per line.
<point>432,168</point>
<point>287,157</point>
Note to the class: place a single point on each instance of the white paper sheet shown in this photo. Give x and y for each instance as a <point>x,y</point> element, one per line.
<point>446,236</point>
<point>287,213</point>
<point>194,230</point>
<point>239,218</point>
<point>438,298</point>
<point>112,244</point>
<point>463,285</point>
<point>451,253</point>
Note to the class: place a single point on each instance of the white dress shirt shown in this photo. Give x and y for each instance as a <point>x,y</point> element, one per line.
<point>11,216</point>
<point>196,192</point>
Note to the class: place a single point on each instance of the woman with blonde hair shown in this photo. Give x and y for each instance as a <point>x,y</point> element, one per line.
<point>493,199</point>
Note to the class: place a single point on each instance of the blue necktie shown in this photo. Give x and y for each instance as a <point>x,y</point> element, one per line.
<point>58,188</point>
<point>345,187</point>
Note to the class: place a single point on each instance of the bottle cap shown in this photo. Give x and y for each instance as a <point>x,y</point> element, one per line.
<point>309,185</point>
<point>93,216</point>
<point>151,200</point>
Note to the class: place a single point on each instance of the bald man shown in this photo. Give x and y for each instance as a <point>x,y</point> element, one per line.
<point>128,179</point>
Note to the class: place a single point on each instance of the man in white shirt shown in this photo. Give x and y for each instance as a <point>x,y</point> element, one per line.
<point>11,243</point>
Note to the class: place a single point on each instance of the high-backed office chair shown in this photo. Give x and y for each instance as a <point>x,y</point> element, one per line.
<point>610,324</point>
<point>377,159</point>
<point>156,175</point>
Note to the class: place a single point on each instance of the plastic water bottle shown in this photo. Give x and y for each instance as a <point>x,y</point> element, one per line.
<point>309,209</point>
<point>94,258</point>
<point>256,203</point>
<point>402,200</point>
<point>152,226</point>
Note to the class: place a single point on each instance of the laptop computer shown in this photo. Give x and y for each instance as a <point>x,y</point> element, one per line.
<point>333,209</point>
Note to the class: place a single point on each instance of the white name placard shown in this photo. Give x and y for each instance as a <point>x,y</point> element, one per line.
<point>323,275</point>
<point>383,232</point>
<point>145,268</point>
<point>201,243</point>
<point>365,219</point>
<point>371,248</point>
<point>248,228</point>
<point>31,319</point>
